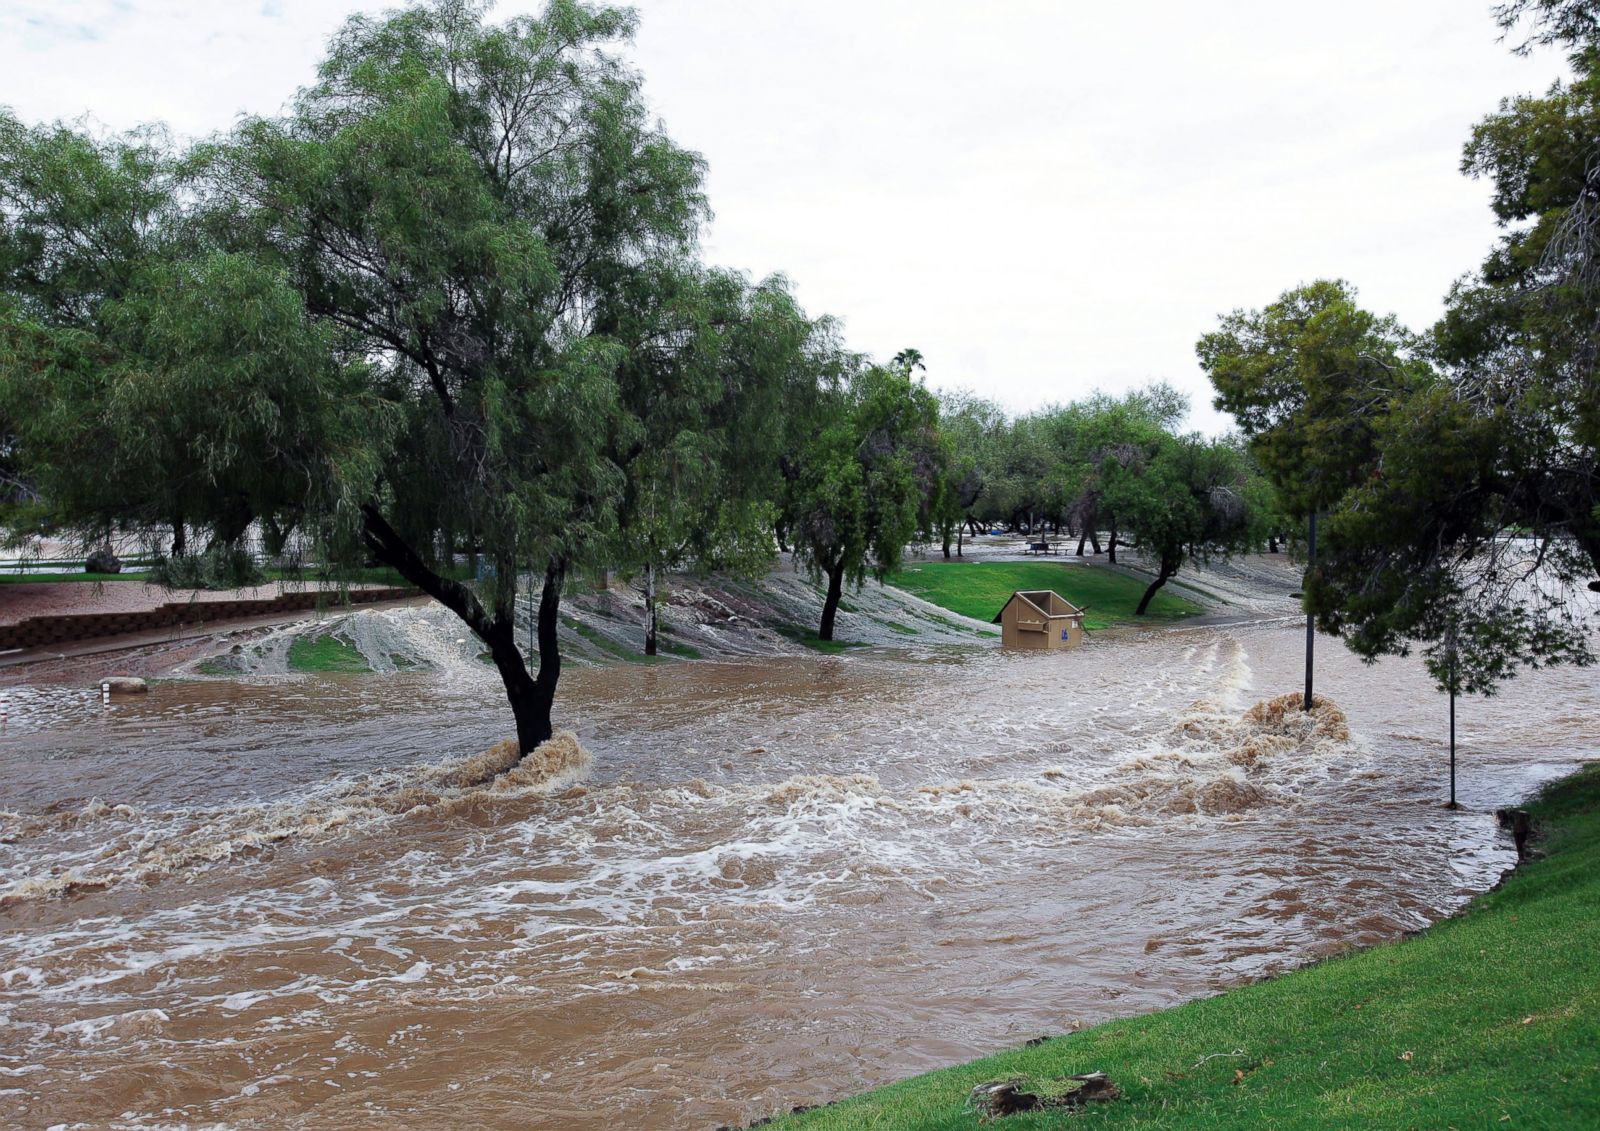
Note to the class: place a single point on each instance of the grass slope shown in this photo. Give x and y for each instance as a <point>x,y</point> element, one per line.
<point>1490,1019</point>
<point>979,589</point>
<point>325,654</point>
<point>804,634</point>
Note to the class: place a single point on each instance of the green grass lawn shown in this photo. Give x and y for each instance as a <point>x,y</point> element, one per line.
<point>35,578</point>
<point>1487,1020</point>
<point>979,589</point>
<point>326,654</point>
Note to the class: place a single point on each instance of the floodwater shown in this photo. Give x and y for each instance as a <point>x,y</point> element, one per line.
<point>288,901</point>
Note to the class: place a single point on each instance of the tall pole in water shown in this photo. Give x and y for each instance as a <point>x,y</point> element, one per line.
<point>1452,747</point>
<point>1452,719</point>
<point>1311,629</point>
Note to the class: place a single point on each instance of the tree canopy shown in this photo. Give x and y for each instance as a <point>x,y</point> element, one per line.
<point>449,301</point>
<point>860,481</point>
<point>1457,469</point>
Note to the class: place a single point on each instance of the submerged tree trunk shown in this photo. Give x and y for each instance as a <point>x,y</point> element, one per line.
<point>830,605</point>
<point>1169,567</point>
<point>530,697</point>
<point>649,608</point>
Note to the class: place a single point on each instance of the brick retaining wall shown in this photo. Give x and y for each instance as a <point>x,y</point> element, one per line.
<point>37,632</point>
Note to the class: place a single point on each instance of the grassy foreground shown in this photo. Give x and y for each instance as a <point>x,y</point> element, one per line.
<point>1487,1020</point>
<point>978,589</point>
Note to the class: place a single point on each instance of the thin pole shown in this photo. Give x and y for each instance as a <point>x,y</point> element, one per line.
<point>1311,629</point>
<point>1452,748</point>
<point>1452,721</point>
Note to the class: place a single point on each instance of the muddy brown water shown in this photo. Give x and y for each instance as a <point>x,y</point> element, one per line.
<point>280,901</point>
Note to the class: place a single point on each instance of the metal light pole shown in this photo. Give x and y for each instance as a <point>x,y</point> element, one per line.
<point>1452,689</point>
<point>1311,630</point>
<point>1453,748</point>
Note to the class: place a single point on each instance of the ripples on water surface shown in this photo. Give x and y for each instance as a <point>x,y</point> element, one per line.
<point>282,901</point>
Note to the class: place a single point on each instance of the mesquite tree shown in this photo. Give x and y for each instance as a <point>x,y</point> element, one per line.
<point>860,482</point>
<point>471,207</point>
<point>712,366</point>
<point>1187,500</point>
<point>438,305</point>
<point>153,380</point>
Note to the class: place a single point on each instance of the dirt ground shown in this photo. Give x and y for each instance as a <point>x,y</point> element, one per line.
<point>55,598</point>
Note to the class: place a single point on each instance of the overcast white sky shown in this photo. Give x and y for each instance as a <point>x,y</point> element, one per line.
<point>1043,196</point>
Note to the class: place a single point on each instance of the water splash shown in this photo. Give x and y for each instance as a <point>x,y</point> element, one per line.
<point>102,845</point>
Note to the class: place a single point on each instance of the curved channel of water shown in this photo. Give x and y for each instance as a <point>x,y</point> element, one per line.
<point>282,901</point>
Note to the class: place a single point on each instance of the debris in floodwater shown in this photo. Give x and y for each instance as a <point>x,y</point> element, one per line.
<point>996,1099</point>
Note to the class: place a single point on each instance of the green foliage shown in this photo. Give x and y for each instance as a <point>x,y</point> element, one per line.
<point>148,379</point>
<point>971,430</point>
<point>858,485</point>
<point>703,418</point>
<point>980,589</point>
<point>221,567</point>
<point>1429,491</point>
<point>1182,498</point>
<point>1571,23</point>
<point>1461,490</point>
<point>448,302</point>
<point>1485,1020</point>
<point>1305,378</point>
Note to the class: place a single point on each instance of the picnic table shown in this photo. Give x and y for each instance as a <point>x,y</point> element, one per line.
<point>1041,548</point>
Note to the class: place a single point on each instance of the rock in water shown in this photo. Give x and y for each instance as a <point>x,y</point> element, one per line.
<point>125,685</point>
<point>102,561</point>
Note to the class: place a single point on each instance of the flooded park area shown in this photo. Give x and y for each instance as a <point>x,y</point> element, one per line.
<point>268,899</point>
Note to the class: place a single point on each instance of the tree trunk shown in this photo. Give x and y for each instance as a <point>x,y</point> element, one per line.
<point>1083,536</point>
<point>831,605</point>
<point>1111,546</point>
<point>649,608</point>
<point>180,538</point>
<point>947,543</point>
<point>555,575</point>
<point>1168,569</point>
<point>1272,543</point>
<point>960,533</point>
<point>530,698</point>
